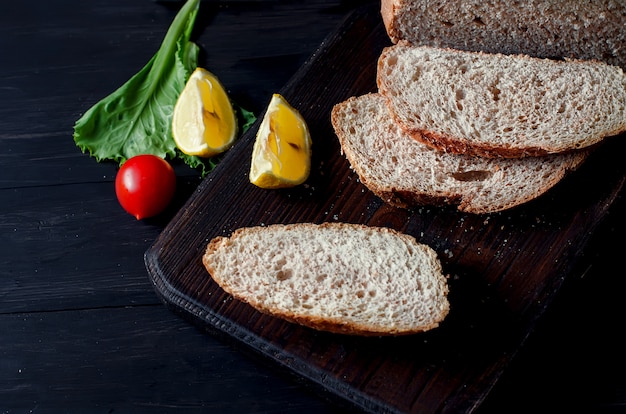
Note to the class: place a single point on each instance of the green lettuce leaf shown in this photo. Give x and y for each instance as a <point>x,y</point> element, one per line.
<point>136,118</point>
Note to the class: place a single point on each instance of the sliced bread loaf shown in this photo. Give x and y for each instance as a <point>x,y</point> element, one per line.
<point>338,277</point>
<point>580,29</point>
<point>501,105</point>
<point>404,172</point>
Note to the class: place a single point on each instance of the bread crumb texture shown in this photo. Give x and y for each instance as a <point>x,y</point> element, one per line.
<point>334,276</point>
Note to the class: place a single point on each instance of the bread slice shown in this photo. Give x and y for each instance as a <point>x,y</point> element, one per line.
<point>404,172</point>
<point>501,105</point>
<point>565,28</point>
<point>337,277</point>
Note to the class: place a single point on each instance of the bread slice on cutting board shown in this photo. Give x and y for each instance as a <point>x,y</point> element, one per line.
<point>404,172</point>
<point>497,105</point>
<point>338,277</point>
<point>592,30</point>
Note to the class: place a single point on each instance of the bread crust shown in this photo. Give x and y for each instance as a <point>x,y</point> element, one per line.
<point>459,145</point>
<point>388,14</point>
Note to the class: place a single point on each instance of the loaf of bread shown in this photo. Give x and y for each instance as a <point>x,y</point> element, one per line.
<point>337,277</point>
<point>404,172</point>
<point>581,29</point>
<point>496,105</point>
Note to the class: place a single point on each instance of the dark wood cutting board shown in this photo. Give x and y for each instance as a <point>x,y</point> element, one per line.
<point>504,269</point>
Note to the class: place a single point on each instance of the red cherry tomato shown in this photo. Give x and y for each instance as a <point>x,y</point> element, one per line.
<point>145,185</point>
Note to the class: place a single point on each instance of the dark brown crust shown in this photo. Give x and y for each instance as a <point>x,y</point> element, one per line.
<point>388,14</point>
<point>333,326</point>
<point>409,199</point>
<point>447,143</point>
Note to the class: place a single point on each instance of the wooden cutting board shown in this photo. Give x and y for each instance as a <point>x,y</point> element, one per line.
<point>503,268</point>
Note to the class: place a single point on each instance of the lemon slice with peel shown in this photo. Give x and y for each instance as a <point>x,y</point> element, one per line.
<point>204,122</point>
<point>281,156</point>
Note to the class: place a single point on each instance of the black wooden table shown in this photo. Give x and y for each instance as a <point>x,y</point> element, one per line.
<point>81,329</point>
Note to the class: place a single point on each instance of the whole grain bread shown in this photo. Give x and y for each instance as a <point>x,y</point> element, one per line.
<point>497,105</point>
<point>581,29</point>
<point>404,172</point>
<point>338,277</point>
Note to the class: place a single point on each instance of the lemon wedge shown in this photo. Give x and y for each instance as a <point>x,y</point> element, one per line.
<point>204,122</point>
<point>281,156</point>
